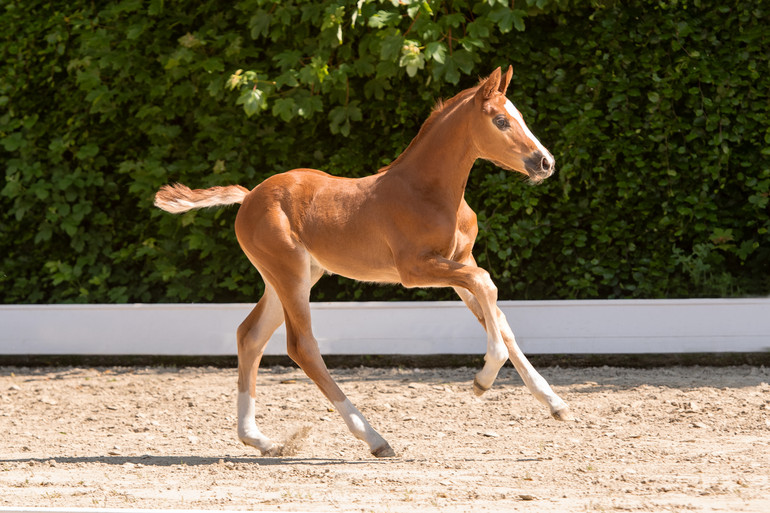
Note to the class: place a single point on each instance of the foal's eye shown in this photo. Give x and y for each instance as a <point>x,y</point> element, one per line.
<point>501,122</point>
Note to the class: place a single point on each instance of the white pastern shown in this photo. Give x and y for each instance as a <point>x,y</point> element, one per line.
<point>248,432</point>
<point>536,383</point>
<point>497,355</point>
<point>358,425</point>
<point>515,114</point>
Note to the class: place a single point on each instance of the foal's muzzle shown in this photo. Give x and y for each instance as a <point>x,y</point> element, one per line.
<point>539,166</point>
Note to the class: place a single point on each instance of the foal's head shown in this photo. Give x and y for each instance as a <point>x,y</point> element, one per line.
<point>501,135</point>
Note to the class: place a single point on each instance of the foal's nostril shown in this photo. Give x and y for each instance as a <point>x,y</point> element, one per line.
<point>539,165</point>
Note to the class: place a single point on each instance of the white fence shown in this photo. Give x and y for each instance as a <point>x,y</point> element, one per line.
<point>541,327</point>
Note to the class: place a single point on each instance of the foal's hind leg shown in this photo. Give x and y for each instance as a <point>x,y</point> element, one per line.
<point>302,347</point>
<point>253,335</point>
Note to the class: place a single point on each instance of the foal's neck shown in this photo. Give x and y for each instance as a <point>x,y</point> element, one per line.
<point>440,158</point>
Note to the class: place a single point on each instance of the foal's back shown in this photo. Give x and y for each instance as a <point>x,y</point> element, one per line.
<point>334,219</point>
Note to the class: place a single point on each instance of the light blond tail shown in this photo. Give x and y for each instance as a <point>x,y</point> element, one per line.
<point>179,198</point>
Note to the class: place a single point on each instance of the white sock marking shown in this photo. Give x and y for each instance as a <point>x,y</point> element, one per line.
<point>358,425</point>
<point>248,431</point>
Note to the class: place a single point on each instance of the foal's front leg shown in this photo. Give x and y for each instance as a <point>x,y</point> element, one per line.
<point>534,381</point>
<point>481,297</point>
<point>499,351</point>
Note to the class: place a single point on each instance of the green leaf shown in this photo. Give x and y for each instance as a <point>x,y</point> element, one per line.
<point>308,105</point>
<point>213,64</point>
<point>518,20</point>
<point>288,78</point>
<point>87,151</point>
<point>464,60</point>
<point>253,101</point>
<point>260,24</point>
<point>134,31</point>
<point>454,20</point>
<point>448,71</point>
<point>288,59</point>
<point>436,50</point>
<point>391,47</point>
<point>285,108</point>
<point>341,116</point>
<point>13,142</point>
<point>384,19</point>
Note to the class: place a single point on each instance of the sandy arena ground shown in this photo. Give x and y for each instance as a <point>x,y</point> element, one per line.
<point>673,439</point>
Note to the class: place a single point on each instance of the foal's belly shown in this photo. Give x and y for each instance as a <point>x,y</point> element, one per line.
<point>357,265</point>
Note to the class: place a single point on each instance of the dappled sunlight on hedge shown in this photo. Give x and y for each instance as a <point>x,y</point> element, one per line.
<point>657,115</point>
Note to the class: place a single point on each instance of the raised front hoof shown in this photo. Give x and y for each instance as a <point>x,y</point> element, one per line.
<point>384,451</point>
<point>562,414</point>
<point>478,389</point>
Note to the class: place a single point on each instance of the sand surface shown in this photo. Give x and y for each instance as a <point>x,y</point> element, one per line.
<point>671,439</point>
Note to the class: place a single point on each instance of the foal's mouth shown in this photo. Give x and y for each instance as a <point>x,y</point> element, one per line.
<point>539,167</point>
<point>537,176</point>
<point>535,173</point>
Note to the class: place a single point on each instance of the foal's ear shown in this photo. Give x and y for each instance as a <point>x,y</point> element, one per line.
<point>506,80</point>
<point>490,85</point>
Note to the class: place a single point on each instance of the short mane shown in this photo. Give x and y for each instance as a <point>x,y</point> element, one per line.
<point>440,109</point>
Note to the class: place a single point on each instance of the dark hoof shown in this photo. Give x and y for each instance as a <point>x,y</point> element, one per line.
<point>478,389</point>
<point>384,451</point>
<point>563,414</point>
<point>275,451</point>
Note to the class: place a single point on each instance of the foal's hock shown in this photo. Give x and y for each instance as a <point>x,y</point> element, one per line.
<point>408,223</point>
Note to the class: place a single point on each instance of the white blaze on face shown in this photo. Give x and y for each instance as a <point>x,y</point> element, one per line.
<point>515,114</point>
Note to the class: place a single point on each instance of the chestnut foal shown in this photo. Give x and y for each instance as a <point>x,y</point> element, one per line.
<point>407,224</point>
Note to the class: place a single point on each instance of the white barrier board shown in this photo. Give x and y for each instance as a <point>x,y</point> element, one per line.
<point>541,327</point>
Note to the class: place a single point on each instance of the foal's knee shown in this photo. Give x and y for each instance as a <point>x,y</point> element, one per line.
<point>483,284</point>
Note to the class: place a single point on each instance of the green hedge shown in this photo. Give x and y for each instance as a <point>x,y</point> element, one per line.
<point>658,114</point>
